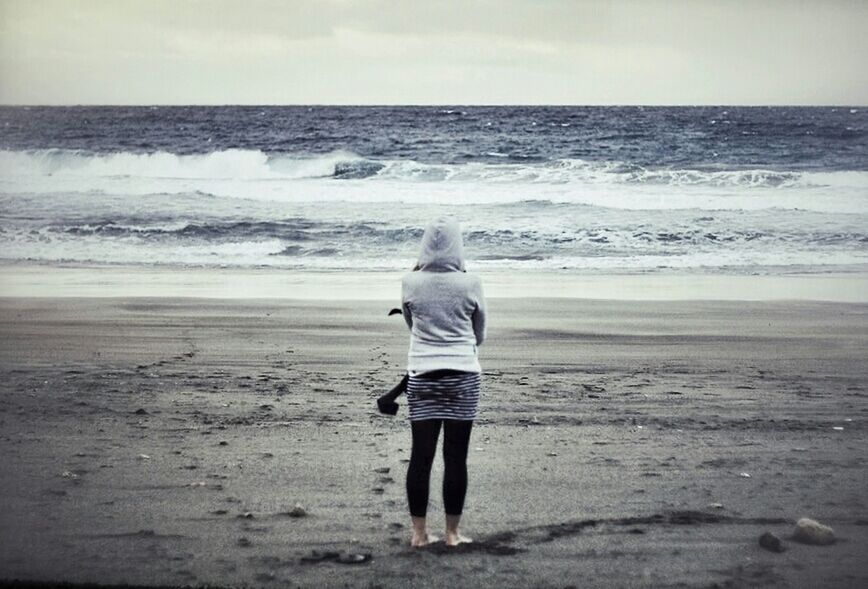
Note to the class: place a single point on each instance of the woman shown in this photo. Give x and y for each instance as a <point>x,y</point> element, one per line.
<point>445,311</point>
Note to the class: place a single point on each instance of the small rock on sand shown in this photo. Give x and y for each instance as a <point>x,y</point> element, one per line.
<point>771,542</point>
<point>297,511</point>
<point>809,531</point>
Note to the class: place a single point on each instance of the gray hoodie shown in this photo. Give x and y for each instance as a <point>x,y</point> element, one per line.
<point>443,305</point>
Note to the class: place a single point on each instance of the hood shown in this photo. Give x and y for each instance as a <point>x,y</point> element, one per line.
<point>442,247</point>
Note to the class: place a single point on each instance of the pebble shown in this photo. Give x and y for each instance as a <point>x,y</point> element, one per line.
<point>297,511</point>
<point>809,531</point>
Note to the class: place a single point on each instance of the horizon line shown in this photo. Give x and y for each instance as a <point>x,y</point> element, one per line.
<point>431,104</point>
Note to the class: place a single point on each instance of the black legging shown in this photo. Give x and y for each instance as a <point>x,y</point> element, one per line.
<point>456,438</point>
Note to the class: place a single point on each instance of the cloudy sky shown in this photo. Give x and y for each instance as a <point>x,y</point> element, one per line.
<point>433,52</point>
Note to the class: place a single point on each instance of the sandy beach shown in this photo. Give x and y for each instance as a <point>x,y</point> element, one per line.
<point>167,441</point>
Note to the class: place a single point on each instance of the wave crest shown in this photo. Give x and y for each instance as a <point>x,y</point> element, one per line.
<point>255,165</point>
<point>229,164</point>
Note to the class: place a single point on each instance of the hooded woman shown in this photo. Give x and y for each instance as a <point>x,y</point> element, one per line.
<point>444,308</point>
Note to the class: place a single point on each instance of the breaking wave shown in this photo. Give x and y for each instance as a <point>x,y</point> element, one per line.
<point>255,165</point>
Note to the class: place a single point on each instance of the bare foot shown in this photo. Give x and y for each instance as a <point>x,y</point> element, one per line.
<point>419,540</point>
<point>455,538</point>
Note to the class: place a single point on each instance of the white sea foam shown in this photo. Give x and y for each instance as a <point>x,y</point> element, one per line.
<point>339,210</point>
<point>344,176</point>
<point>228,164</point>
<point>256,165</point>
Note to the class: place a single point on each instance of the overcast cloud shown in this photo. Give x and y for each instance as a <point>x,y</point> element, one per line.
<point>433,52</point>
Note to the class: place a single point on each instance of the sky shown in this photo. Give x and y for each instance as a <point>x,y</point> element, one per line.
<point>434,52</point>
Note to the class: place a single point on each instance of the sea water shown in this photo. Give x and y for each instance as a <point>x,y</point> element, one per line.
<point>734,190</point>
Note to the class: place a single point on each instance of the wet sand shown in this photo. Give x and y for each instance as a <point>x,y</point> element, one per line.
<point>167,441</point>
<point>29,279</point>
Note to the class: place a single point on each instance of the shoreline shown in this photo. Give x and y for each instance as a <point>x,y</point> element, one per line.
<point>59,281</point>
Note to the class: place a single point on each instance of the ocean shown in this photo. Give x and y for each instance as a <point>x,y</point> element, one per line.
<point>732,190</point>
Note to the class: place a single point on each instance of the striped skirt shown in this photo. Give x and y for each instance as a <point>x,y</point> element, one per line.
<point>443,395</point>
